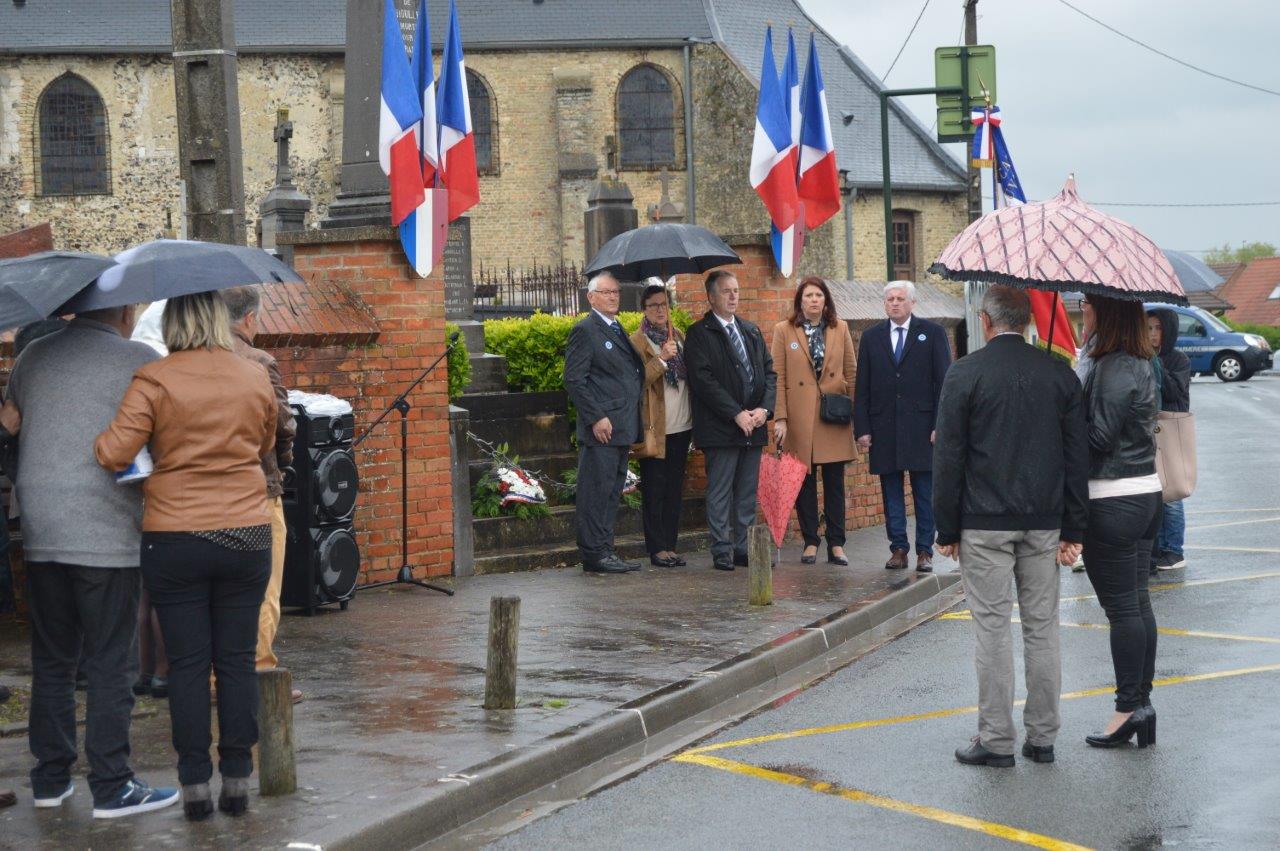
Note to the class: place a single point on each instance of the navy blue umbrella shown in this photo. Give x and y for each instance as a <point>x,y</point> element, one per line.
<point>661,250</point>
<point>167,268</point>
<point>32,287</point>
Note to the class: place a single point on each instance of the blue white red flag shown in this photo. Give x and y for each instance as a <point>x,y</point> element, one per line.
<point>1053,326</point>
<point>819,184</point>
<point>457,170</point>
<point>788,243</point>
<point>424,231</point>
<point>773,161</point>
<point>400,118</point>
<point>985,124</point>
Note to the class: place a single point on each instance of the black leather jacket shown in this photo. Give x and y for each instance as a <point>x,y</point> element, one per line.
<point>1120,406</point>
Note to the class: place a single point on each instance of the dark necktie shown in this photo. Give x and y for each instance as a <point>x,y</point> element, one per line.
<point>617,329</point>
<point>897,347</point>
<point>738,347</point>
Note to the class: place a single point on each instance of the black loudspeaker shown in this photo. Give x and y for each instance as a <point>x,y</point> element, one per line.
<point>322,560</point>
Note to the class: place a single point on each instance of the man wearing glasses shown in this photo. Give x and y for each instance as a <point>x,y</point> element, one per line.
<point>603,375</point>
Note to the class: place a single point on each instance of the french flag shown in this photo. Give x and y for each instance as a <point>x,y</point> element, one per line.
<point>788,243</point>
<point>773,162</point>
<point>819,186</point>
<point>424,231</point>
<point>457,167</point>
<point>399,120</point>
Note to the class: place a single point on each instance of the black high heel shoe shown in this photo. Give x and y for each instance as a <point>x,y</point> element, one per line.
<point>1142,722</point>
<point>804,559</point>
<point>832,558</point>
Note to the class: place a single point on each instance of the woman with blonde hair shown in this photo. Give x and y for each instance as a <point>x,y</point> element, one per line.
<point>813,356</point>
<point>207,416</point>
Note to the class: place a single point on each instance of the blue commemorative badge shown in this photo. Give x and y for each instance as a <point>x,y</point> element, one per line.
<point>608,344</point>
<point>794,344</point>
<point>920,338</point>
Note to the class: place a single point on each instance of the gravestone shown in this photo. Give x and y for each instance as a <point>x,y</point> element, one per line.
<point>285,207</point>
<point>610,211</point>
<point>488,372</point>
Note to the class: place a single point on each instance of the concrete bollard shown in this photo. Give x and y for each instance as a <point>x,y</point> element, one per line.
<point>760,565</point>
<point>500,667</point>
<point>277,769</point>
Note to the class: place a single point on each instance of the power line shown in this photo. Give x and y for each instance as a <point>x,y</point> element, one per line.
<point>1197,205</point>
<point>905,40</point>
<point>1171,58</point>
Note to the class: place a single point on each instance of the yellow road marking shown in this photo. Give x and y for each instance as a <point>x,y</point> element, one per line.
<point>990,828</point>
<point>1165,586</point>
<point>963,710</point>
<point>1163,630</point>
<point>1234,523</point>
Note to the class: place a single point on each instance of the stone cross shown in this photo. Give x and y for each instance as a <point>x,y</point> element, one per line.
<point>665,210</point>
<point>282,134</point>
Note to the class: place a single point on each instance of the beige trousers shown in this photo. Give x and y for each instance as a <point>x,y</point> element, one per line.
<point>991,565</point>
<point>269,614</point>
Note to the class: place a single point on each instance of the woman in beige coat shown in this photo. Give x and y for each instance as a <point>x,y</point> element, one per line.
<point>667,423</point>
<point>813,355</point>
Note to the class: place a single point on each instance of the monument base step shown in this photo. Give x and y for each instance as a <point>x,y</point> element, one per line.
<point>488,374</point>
<point>566,555</point>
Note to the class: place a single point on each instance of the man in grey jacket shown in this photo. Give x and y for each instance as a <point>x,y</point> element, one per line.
<point>81,536</point>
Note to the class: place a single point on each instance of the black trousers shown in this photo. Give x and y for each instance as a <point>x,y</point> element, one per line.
<point>602,471</point>
<point>832,505</point>
<point>662,487</point>
<point>1117,556</point>
<point>208,597</point>
<point>94,608</point>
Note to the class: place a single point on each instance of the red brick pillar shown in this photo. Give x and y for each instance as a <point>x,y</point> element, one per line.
<point>367,265</point>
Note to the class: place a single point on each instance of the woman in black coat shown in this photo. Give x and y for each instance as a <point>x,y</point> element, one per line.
<point>1124,498</point>
<point>1175,395</point>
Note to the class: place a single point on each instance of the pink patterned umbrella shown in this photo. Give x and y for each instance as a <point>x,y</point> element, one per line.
<point>1061,244</point>
<point>781,476</point>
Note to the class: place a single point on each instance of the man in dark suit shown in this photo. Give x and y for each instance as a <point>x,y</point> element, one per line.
<point>732,389</point>
<point>604,378</point>
<point>1011,476</point>
<point>901,363</point>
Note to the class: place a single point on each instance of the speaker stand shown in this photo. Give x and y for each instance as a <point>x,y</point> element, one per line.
<point>401,404</point>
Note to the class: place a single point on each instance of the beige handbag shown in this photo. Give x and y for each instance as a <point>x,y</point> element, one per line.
<point>1176,454</point>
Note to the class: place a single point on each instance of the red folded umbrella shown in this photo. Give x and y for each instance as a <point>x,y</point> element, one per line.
<point>781,477</point>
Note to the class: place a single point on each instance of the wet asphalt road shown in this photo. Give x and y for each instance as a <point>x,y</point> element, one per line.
<point>1211,780</point>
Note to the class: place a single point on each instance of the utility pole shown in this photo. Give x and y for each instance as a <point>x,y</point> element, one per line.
<point>975,174</point>
<point>209,152</point>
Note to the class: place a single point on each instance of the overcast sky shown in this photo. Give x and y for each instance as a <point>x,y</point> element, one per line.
<point>1133,126</point>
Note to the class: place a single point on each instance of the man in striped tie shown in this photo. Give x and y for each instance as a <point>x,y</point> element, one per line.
<point>732,388</point>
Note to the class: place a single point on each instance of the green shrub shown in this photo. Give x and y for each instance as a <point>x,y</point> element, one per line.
<point>534,347</point>
<point>459,363</point>
<point>1270,333</point>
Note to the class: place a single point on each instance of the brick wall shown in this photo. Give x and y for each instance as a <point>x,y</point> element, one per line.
<point>369,264</point>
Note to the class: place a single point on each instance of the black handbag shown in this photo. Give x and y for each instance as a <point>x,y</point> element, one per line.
<point>836,409</point>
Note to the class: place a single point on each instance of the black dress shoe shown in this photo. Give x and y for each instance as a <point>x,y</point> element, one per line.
<point>740,559</point>
<point>1036,753</point>
<point>804,559</point>
<point>722,563</point>
<point>1142,723</point>
<point>160,687</point>
<point>662,562</point>
<point>608,564</point>
<point>630,565</point>
<point>976,754</point>
<point>832,558</point>
<point>143,685</point>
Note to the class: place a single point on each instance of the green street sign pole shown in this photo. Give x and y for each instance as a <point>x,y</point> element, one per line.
<point>885,94</point>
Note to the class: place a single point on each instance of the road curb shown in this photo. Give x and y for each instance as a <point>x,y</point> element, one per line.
<point>451,802</point>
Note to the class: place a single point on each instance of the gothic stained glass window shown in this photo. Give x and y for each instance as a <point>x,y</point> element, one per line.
<point>74,144</point>
<point>483,124</point>
<point>646,119</point>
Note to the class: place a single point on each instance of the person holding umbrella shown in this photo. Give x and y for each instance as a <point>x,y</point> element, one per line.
<point>813,355</point>
<point>666,425</point>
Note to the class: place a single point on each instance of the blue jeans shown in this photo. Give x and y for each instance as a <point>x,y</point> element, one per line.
<point>895,510</point>
<point>1173,528</point>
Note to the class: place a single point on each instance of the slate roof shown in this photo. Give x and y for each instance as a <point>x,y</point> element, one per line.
<point>143,26</point>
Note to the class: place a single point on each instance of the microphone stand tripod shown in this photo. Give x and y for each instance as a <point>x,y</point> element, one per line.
<point>401,404</point>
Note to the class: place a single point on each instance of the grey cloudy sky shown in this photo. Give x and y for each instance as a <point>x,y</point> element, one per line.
<point>1133,126</point>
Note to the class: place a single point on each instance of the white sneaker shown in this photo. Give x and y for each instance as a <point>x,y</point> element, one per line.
<point>56,800</point>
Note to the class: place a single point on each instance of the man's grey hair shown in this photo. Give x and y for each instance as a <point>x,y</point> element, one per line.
<point>594,283</point>
<point>1008,308</point>
<point>241,301</point>
<point>901,285</point>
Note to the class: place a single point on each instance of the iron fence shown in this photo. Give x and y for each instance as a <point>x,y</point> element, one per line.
<point>551,289</point>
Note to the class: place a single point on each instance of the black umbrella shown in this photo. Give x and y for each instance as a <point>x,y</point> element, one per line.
<point>166,268</point>
<point>661,250</point>
<point>32,287</point>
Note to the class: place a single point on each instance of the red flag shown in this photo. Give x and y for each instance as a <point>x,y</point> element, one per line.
<point>1044,306</point>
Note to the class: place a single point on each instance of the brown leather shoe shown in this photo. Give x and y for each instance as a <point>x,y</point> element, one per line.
<point>924,563</point>
<point>897,561</point>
